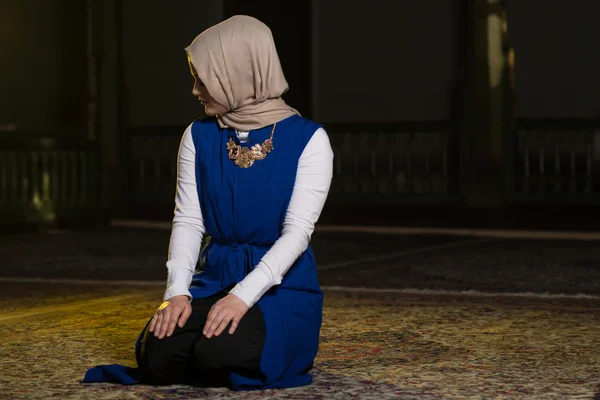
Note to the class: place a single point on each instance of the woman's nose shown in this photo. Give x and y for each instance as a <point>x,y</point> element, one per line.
<point>195,91</point>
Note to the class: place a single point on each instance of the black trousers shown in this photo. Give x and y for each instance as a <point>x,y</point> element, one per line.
<point>188,357</point>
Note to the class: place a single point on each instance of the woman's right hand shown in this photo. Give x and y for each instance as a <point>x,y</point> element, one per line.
<point>174,311</point>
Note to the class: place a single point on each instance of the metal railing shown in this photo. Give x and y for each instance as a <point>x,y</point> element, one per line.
<point>43,179</point>
<point>153,165</point>
<point>554,161</point>
<point>374,163</point>
<point>547,161</point>
<point>395,163</point>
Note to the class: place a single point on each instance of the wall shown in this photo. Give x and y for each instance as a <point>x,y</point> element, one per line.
<point>382,60</point>
<point>158,83</point>
<point>557,57</point>
<point>43,64</point>
<point>372,61</point>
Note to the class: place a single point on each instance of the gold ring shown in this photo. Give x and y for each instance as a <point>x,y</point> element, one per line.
<point>163,305</point>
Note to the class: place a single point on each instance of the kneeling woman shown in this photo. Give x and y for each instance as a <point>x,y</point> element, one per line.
<point>252,181</point>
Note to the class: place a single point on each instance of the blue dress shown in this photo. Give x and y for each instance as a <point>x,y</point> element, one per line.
<point>243,211</point>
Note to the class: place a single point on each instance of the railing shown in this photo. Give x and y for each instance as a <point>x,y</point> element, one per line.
<point>374,163</point>
<point>554,161</point>
<point>154,165</point>
<point>45,179</point>
<point>395,163</point>
<point>548,161</point>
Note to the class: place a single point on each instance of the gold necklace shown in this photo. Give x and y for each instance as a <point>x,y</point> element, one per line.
<point>244,157</point>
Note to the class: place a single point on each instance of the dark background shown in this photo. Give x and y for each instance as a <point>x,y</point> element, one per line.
<point>431,121</point>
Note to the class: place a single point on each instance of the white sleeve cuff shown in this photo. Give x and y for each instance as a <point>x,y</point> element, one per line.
<point>253,287</point>
<point>178,283</point>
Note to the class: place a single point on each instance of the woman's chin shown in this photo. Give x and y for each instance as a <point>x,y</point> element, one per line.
<point>214,112</point>
<point>211,111</point>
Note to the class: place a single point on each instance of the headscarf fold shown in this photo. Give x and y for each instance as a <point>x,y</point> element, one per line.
<point>238,63</point>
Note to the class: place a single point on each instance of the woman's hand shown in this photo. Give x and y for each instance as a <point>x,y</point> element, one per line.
<point>174,311</point>
<point>229,309</point>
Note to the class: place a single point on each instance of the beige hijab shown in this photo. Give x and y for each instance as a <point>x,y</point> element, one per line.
<point>238,63</point>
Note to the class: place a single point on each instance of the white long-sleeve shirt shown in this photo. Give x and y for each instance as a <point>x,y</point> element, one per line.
<point>313,180</point>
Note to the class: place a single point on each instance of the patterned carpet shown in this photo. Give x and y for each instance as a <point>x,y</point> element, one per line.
<point>374,346</point>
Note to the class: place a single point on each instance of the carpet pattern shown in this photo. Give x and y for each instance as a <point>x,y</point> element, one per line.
<point>374,346</point>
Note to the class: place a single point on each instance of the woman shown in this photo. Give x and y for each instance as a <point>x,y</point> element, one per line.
<point>252,181</point>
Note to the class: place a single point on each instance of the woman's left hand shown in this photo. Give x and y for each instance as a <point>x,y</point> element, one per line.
<point>229,309</point>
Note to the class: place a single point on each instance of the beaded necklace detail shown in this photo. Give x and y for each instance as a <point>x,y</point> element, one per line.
<point>244,157</point>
